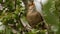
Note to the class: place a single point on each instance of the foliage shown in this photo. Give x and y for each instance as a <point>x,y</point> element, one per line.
<point>10,16</point>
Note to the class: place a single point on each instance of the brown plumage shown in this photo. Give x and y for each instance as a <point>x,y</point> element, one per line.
<point>33,16</point>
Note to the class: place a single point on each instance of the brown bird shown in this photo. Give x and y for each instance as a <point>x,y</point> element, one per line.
<point>34,17</point>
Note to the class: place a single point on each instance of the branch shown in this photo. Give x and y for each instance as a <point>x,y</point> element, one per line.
<point>26,25</point>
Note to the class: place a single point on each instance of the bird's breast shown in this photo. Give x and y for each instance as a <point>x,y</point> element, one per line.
<point>33,18</point>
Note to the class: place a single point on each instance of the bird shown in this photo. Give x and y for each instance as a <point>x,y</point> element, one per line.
<point>34,14</point>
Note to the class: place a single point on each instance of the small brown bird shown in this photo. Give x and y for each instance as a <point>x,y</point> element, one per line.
<point>33,16</point>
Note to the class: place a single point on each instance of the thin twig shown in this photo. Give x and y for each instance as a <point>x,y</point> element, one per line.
<point>15,4</point>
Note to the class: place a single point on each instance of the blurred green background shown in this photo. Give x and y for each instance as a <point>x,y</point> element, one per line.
<point>10,11</point>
